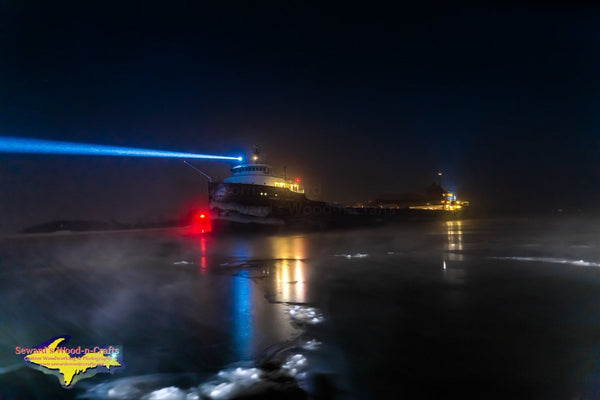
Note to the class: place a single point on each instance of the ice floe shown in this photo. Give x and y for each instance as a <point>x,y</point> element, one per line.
<point>312,344</point>
<point>280,381</point>
<point>145,387</point>
<point>552,260</point>
<point>231,383</point>
<point>357,255</point>
<point>305,315</point>
<point>295,365</point>
<point>168,393</point>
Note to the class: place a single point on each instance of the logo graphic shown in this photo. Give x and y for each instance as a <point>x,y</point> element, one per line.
<point>70,365</point>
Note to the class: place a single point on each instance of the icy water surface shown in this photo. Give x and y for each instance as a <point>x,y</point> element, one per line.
<point>469,309</point>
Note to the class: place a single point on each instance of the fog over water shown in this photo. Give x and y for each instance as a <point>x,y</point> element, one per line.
<point>497,308</point>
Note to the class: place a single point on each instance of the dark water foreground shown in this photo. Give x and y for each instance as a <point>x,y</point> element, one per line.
<point>457,309</point>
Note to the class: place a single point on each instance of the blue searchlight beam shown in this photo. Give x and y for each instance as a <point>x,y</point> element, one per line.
<point>37,146</point>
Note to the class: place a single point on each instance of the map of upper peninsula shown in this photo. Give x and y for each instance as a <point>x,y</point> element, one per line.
<point>51,359</point>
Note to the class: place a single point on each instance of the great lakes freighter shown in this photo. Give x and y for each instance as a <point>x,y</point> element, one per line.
<point>255,195</point>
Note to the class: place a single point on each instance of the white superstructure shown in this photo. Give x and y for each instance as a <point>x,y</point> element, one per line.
<point>261,174</point>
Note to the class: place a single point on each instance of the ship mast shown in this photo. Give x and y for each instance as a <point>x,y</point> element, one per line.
<point>256,154</point>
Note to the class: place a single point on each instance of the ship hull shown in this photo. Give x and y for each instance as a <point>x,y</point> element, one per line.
<point>245,206</point>
<point>239,204</point>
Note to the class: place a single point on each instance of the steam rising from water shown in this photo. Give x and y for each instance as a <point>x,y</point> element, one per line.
<point>202,305</point>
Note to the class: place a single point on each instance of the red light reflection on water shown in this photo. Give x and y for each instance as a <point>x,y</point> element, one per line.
<point>202,256</point>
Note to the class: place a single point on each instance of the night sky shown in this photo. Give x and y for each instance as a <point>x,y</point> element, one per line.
<point>357,100</point>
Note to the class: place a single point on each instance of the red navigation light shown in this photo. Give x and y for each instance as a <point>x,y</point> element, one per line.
<point>297,180</point>
<point>200,223</point>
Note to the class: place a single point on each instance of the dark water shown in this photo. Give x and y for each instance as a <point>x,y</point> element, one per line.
<point>468,309</point>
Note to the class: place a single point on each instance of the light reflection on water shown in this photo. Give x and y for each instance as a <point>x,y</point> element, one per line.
<point>242,317</point>
<point>289,281</point>
<point>169,296</point>
<point>453,271</point>
<point>202,255</point>
<point>454,292</point>
<point>271,266</point>
<point>288,247</point>
<point>455,240</point>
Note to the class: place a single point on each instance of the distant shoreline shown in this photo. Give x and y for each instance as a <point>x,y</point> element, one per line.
<point>23,235</point>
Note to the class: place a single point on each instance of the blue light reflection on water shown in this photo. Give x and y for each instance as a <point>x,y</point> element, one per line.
<point>242,317</point>
<point>242,307</point>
